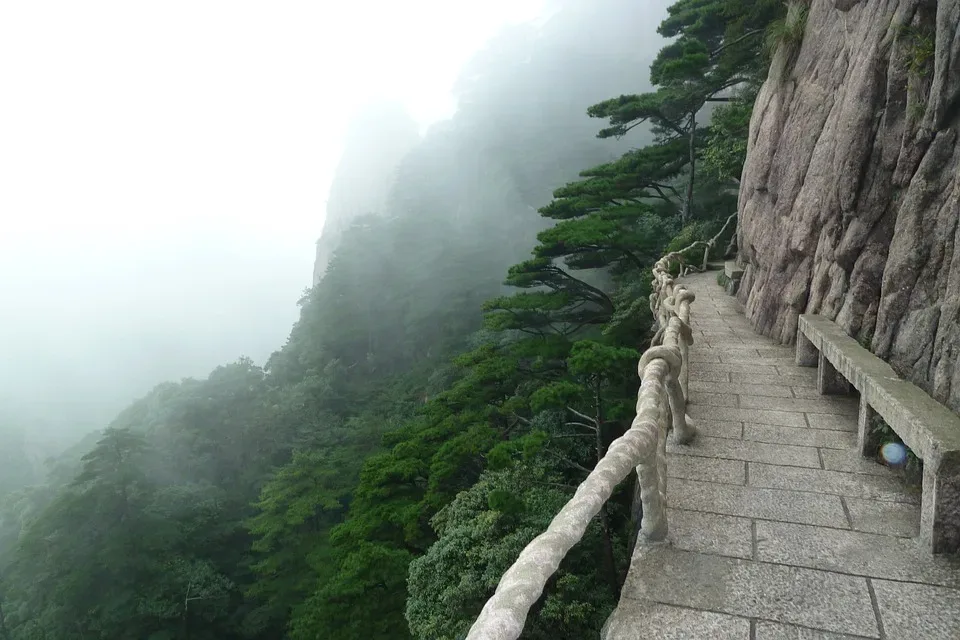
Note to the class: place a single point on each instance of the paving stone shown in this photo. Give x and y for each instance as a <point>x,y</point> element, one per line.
<point>753,340</point>
<point>775,377</point>
<point>724,337</point>
<point>852,462</point>
<point>776,352</point>
<point>742,328</point>
<point>855,552</point>
<point>709,447</point>
<point>720,429</point>
<point>889,518</point>
<point>832,422</point>
<point>776,631</point>
<point>699,357</point>
<point>806,392</point>
<point>655,621</point>
<point>775,362</point>
<point>736,388</point>
<point>718,334</point>
<point>739,350</point>
<point>711,533</point>
<point>714,342</point>
<point>918,611</point>
<point>753,502</point>
<point>757,369</point>
<point>838,406</point>
<point>799,436</point>
<point>710,323</point>
<point>706,469</point>
<point>712,399</point>
<point>827,521</point>
<point>805,597</point>
<point>803,374</point>
<point>716,330</point>
<point>888,488</point>
<point>708,376</point>
<point>761,416</point>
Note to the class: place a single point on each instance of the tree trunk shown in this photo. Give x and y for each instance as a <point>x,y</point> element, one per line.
<point>609,559</point>
<point>613,578</point>
<point>3,625</point>
<point>688,201</point>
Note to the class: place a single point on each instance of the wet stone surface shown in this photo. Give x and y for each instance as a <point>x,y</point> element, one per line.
<point>779,529</point>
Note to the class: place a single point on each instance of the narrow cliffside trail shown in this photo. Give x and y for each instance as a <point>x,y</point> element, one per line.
<point>778,528</point>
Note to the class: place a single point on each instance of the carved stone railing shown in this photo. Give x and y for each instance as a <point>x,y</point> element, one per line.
<point>661,401</point>
<point>708,245</point>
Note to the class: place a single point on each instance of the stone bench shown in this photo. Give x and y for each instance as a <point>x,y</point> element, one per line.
<point>733,273</point>
<point>931,430</point>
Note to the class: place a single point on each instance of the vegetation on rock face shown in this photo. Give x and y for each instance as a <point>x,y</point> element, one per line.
<point>425,419</point>
<point>787,32</point>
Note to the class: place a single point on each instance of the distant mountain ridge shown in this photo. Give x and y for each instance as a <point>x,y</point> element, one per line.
<point>379,137</point>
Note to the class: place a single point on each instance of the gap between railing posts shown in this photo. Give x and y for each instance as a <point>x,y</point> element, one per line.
<point>661,400</point>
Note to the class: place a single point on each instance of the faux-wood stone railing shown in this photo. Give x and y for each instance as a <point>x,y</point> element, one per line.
<point>661,401</point>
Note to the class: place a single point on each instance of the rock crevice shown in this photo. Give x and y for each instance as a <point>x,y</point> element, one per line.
<point>849,201</point>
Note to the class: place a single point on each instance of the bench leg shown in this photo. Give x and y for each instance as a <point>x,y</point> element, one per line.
<point>806,352</point>
<point>829,380</point>
<point>940,508</point>
<point>866,442</point>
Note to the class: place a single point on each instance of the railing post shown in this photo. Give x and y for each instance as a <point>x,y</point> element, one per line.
<point>651,472</point>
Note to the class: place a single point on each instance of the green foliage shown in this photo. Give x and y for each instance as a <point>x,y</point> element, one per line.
<point>717,47</point>
<point>921,48</point>
<point>787,32</point>
<point>425,419</point>
<point>726,148</point>
<point>120,555</point>
<point>479,539</point>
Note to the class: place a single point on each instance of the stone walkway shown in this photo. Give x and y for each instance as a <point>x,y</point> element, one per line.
<point>778,529</point>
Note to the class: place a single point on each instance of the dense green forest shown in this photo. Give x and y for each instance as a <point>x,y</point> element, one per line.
<point>430,411</point>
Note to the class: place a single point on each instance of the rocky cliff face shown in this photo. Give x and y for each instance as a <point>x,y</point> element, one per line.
<point>377,140</point>
<point>849,198</point>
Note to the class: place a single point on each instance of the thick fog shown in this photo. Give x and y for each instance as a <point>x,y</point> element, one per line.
<point>163,176</point>
<point>165,169</point>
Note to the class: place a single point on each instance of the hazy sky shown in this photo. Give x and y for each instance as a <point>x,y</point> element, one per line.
<point>164,166</point>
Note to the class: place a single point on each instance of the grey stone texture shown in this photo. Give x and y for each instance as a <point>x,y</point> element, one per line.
<point>778,528</point>
<point>883,488</point>
<point>819,599</point>
<point>655,621</point>
<point>918,610</point>
<point>850,198</point>
<point>775,631</point>
<point>706,469</point>
<point>707,446</point>
<point>732,270</point>
<point>750,502</point>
